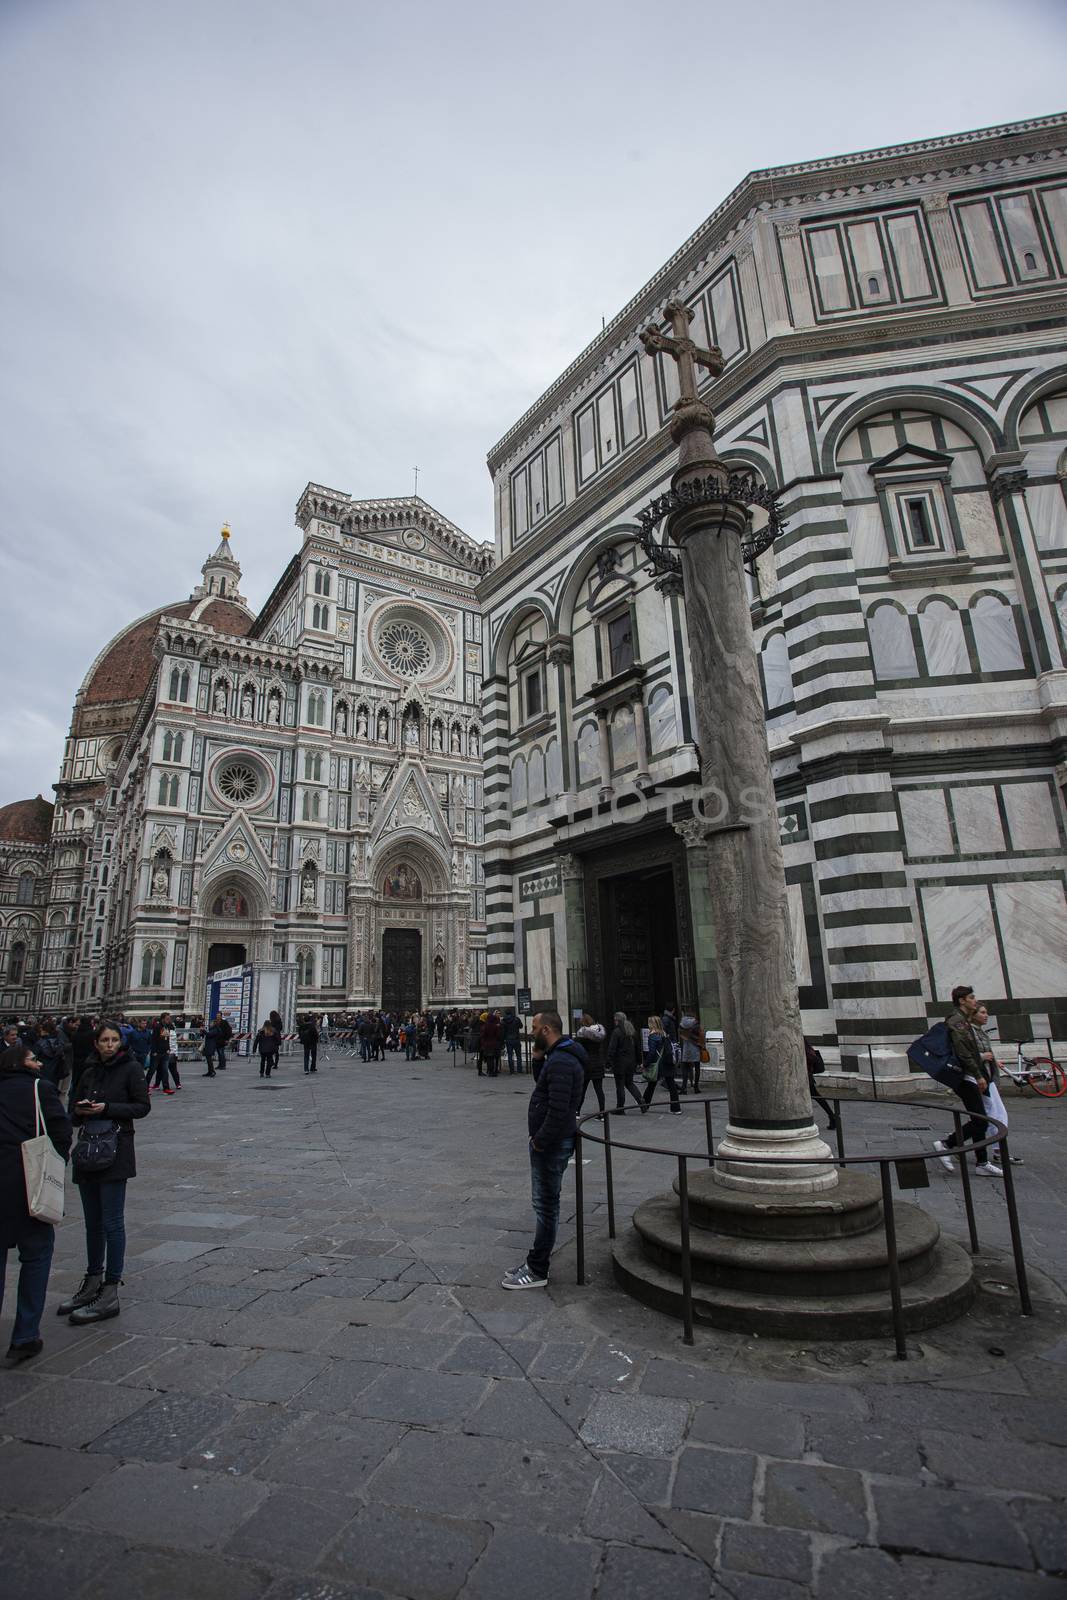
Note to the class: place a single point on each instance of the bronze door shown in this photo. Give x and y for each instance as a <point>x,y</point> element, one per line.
<point>401,969</point>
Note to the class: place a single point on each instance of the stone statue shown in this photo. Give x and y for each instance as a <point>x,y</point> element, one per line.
<point>274,708</point>
<point>438,975</point>
<point>472,742</point>
<point>383,727</point>
<point>248,702</point>
<point>218,699</point>
<point>361,724</point>
<point>435,738</point>
<point>160,883</point>
<point>411,732</point>
<point>455,745</point>
<point>307,890</point>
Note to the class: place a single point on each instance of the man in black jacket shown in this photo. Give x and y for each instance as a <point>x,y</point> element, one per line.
<point>552,1120</point>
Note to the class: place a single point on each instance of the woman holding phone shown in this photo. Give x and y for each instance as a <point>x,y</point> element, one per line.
<point>112,1094</point>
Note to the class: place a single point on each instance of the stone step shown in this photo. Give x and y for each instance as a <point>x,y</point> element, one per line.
<point>854,1206</point>
<point>944,1292</point>
<point>853,1264</point>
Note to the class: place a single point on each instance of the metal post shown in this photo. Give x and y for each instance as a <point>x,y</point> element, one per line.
<point>874,1080</point>
<point>687,1264</point>
<point>840,1130</point>
<point>608,1175</point>
<point>707,1126</point>
<point>965,1179</point>
<point>579,1207</point>
<point>890,1224</point>
<point>1025,1303</point>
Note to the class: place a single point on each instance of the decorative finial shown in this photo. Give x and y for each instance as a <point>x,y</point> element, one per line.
<point>226,530</point>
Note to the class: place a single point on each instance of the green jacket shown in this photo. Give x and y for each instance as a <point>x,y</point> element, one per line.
<point>965,1045</point>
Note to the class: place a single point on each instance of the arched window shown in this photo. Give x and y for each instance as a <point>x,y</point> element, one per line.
<point>311,806</point>
<point>662,727</point>
<point>588,753</point>
<point>777,678</point>
<point>16,965</point>
<point>536,777</point>
<point>152,967</point>
<point>25,892</point>
<point>892,647</point>
<point>312,766</point>
<point>77,818</point>
<point>996,638</point>
<point>317,708</point>
<point>320,617</point>
<point>168,745</point>
<point>943,643</point>
<point>168,789</point>
<point>322,582</point>
<point>305,967</point>
<point>179,684</point>
<point>179,740</point>
<point>318,581</point>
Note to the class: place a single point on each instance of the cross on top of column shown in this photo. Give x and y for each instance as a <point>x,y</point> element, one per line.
<point>683,350</point>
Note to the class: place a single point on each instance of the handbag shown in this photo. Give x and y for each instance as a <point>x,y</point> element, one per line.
<point>97,1146</point>
<point>42,1167</point>
<point>705,1058</point>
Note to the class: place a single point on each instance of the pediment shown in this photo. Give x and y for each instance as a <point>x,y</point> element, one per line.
<point>409,803</point>
<point>235,848</point>
<point>913,458</point>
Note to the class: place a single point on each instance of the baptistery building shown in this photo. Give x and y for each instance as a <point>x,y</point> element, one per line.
<point>895,375</point>
<point>300,787</point>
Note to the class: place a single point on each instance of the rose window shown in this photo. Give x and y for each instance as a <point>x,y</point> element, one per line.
<point>238,782</point>
<point>405,649</point>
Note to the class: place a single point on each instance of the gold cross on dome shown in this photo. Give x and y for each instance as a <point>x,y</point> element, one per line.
<point>682,349</point>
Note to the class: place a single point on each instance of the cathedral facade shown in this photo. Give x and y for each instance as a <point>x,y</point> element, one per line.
<point>301,787</point>
<point>892,325</point>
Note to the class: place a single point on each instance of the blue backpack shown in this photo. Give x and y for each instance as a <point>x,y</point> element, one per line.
<point>933,1053</point>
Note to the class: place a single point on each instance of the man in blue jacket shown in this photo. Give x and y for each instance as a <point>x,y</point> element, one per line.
<point>552,1120</point>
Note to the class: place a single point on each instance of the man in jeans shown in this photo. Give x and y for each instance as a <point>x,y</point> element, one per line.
<point>965,1048</point>
<point>552,1120</point>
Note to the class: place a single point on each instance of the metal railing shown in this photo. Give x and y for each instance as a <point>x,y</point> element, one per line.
<point>959,1151</point>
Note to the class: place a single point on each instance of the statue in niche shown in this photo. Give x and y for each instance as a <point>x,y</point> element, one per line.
<point>160,882</point>
<point>411,731</point>
<point>438,975</point>
<point>383,727</point>
<point>361,723</point>
<point>248,702</point>
<point>274,708</point>
<point>472,742</point>
<point>456,744</point>
<point>340,721</point>
<point>219,698</point>
<point>307,889</point>
<point>435,737</point>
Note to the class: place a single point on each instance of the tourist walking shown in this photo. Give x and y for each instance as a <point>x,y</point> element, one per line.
<point>991,1099</point>
<point>511,1028</point>
<point>660,1064</point>
<point>623,1060</point>
<point>112,1094</point>
<point>552,1120</point>
<point>591,1035</point>
<point>165,1054</point>
<point>474,1041</point>
<point>814,1062</point>
<point>690,1044</point>
<point>973,1085</point>
<point>308,1034</point>
<point>217,1037</point>
<point>22,1090</point>
<point>49,1050</point>
<point>491,1041</point>
<point>268,1042</point>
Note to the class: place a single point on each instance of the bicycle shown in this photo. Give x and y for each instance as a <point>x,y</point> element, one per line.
<point>1043,1076</point>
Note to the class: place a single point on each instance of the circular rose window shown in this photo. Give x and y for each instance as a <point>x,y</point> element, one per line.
<point>238,781</point>
<point>405,649</point>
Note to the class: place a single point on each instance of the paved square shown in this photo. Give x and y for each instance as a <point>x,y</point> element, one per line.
<point>317,1388</point>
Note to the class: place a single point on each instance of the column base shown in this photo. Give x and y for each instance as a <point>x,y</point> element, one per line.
<point>800,1144</point>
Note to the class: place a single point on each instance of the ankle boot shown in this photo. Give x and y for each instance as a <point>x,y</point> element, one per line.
<point>87,1290</point>
<point>104,1305</point>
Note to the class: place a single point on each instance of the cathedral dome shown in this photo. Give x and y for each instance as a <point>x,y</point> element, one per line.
<point>27,821</point>
<point>123,669</point>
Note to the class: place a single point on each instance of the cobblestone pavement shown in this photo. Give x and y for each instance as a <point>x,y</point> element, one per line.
<point>317,1389</point>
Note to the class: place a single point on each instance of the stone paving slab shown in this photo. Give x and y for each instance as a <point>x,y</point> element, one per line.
<point>317,1389</point>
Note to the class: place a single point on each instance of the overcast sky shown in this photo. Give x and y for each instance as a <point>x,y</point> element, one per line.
<point>250,243</point>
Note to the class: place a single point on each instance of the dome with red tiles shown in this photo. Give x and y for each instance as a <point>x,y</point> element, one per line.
<point>27,821</point>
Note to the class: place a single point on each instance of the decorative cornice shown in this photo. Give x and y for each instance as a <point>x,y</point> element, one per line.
<point>369,518</point>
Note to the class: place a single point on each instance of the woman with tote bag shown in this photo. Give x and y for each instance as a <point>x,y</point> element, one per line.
<point>26,1101</point>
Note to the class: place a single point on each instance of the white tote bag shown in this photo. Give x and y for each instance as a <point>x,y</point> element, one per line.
<point>44,1170</point>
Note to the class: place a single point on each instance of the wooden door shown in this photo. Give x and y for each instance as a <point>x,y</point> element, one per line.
<point>401,969</point>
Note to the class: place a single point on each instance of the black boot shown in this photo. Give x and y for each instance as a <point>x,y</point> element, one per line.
<point>18,1353</point>
<point>103,1306</point>
<point>87,1290</point>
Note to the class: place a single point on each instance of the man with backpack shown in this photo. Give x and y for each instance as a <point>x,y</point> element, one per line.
<point>970,1082</point>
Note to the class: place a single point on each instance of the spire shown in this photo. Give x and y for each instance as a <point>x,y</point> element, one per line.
<point>221,573</point>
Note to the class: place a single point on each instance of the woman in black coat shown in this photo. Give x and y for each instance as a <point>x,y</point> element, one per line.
<point>34,1240</point>
<point>111,1089</point>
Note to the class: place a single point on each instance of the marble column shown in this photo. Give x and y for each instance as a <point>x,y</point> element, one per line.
<point>766,1079</point>
<point>572,874</point>
<point>642,776</point>
<point>702,920</point>
<point>605,791</point>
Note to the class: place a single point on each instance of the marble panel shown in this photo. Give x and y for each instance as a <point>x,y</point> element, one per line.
<point>978,523</point>
<point>588,753</point>
<point>540,973</point>
<point>651,625</point>
<point>1048,514</point>
<point>962,938</point>
<point>518,783</point>
<point>777,680</point>
<point>927,830</point>
<point>892,649</point>
<point>1031,816</point>
<point>1033,927</point>
<point>662,724</point>
<point>996,637</point>
<point>623,738</point>
<point>943,641</point>
<point>536,774</point>
<point>867,533</point>
<point>554,767</point>
<point>801,959</point>
<point>978,825</point>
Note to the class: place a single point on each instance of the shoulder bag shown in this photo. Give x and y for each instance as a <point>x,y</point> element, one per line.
<point>97,1146</point>
<point>43,1169</point>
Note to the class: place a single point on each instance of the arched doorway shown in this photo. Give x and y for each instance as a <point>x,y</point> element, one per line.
<point>401,969</point>
<point>221,956</point>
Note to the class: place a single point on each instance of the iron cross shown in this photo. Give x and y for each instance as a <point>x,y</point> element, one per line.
<point>681,348</point>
